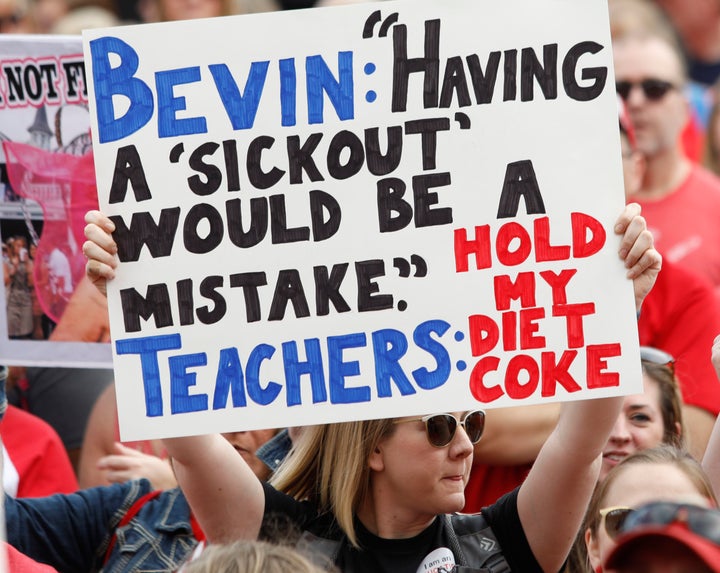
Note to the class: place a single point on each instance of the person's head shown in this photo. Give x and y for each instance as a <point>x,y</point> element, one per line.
<point>648,419</point>
<point>341,465</point>
<point>250,557</point>
<point>246,444</point>
<point>663,473</point>
<point>15,17</point>
<point>170,10</point>
<point>668,538</point>
<point>650,77</point>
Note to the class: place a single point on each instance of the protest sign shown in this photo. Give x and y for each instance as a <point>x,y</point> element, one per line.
<point>47,183</point>
<point>375,210</point>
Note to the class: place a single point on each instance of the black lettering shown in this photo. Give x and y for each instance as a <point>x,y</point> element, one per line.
<point>599,74</point>
<point>454,82</point>
<point>143,230</point>
<point>259,178</point>
<point>300,158</point>
<point>520,181</point>
<point>208,289</point>
<point>194,243</point>
<point>288,288</point>
<point>321,202</point>
<point>345,140</point>
<point>250,282</point>
<point>483,83</point>
<point>279,230</point>
<point>327,288</point>
<point>390,194</point>
<point>378,163</point>
<point>128,169</point>
<point>546,74</point>
<point>367,288</point>
<point>155,303</point>
<point>258,222</point>
<point>424,215</point>
<point>429,65</point>
<point>213,175</point>
<point>428,128</point>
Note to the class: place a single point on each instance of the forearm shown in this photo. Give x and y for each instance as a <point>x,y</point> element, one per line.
<point>225,495</point>
<point>514,436</point>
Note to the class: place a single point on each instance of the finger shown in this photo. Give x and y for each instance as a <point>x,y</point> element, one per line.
<point>96,234</point>
<point>100,219</point>
<point>635,241</point>
<point>630,211</point>
<point>649,259</point>
<point>118,476</point>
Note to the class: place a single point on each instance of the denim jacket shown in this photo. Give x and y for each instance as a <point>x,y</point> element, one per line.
<point>71,532</point>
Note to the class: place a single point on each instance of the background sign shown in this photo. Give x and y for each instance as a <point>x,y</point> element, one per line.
<point>375,210</point>
<point>47,183</point>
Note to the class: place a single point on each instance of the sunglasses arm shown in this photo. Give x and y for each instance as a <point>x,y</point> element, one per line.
<point>564,475</point>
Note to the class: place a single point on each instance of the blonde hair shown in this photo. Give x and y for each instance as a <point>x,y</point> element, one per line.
<point>329,465</point>
<point>250,557</point>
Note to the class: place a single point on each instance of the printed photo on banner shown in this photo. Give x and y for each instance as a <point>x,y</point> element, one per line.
<point>47,183</point>
<point>408,211</point>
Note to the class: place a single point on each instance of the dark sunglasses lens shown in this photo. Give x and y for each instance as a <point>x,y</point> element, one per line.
<point>655,89</point>
<point>614,521</point>
<point>623,89</point>
<point>475,425</point>
<point>441,429</point>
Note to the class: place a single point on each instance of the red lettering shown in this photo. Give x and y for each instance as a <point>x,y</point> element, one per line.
<point>544,251</point>
<point>509,326</point>
<point>506,235</point>
<point>558,283</point>
<point>506,290</point>
<point>484,334</point>
<point>596,355</point>
<point>529,328</point>
<point>480,247</point>
<point>584,246</point>
<point>574,320</point>
<point>558,373</point>
<point>479,391</point>
<point>518,390</point>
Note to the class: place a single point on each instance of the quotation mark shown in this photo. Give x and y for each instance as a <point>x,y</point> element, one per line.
<point>373,19</point>
<point>404,267</point>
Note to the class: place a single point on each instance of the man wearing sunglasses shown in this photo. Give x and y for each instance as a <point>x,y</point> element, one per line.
<point>680,200</point>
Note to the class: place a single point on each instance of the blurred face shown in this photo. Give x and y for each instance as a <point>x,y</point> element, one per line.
<point>190,9</point>
<point>13,18</point>
<point>658,122</point>
<point>638,427</point>
<point>633,167</point>
<point>246,444</point>
<point>636,485</point>
<point>666,556</point>
<point>418,479</point>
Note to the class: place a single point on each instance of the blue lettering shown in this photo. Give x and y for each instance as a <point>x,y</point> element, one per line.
<point>148,348</point>
<point>119,80</point>
<point>320,80</point>
<point>229,377</point>
<point>181,401</point>
<point>389,346</point>
<point>168,124</point>
<point>240,108</point>
<point>426,379</point>
<point>339,370</point>
<point>288,91</point>
<point>294,369</point>
<point>257,393</point>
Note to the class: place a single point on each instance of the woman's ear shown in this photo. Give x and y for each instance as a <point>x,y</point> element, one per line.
<point>593,550</point>
<point>376,460</point>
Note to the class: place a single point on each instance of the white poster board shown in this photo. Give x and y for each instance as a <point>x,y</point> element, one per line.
<point>376,210</point>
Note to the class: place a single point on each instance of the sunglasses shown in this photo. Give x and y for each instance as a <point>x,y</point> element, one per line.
<point>657,356</point>
<point>702,521</point>
<point>441,428</point>
<point>614,518</point>
<point>653,89</point>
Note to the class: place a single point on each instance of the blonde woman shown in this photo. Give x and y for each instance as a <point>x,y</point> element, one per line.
<point>378,495</point>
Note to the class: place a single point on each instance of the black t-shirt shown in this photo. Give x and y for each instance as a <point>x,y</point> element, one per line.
<point>427,552</point>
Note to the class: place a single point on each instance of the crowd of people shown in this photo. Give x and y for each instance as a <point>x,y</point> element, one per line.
<point>618,485</point>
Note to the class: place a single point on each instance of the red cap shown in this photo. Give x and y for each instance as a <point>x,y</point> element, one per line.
<point>706,550</point>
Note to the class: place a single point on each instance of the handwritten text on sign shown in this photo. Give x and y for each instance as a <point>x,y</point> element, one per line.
<point>410,210</point>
